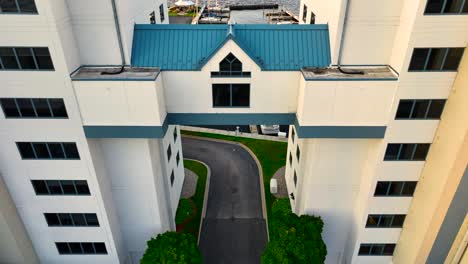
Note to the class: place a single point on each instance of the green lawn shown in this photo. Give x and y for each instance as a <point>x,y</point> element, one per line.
<point>184,209</point>
<point>271,154</point>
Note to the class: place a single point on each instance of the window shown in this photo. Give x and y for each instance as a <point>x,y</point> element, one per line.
<point>295,179</point>
<point>390,221</point>
<point>81,248</point>
<point>33,108</point>
<point>172,178</point>
<point>298,153</point>
<point>71,219</point>
<point>436,59</point>
<point>169,153</point>
<point>446,7</point>
<point>376,249</point>
<point>293,134</point>
<point>161,12</point>
<point>175,134</point>
<point>60,187</point>
<point>312,18</point>
<point>18,6</point>
<point>231,95</point>
<point>304,14</point>
<point>413,152</point>
<point>48,150</point>
<point>152,18</point>
<point>290,158</point>
<point>420,109</point>
<point>395,188</point>
<point>177,158</point>
<point>230,66</point>
<point>25,58</point>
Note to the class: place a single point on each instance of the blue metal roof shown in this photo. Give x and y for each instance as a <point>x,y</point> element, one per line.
<point>272,47</point>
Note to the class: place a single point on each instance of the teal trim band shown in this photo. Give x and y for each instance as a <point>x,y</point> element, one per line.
<point>232,119</point>
<point>348,132</point>
<point>126,131</point>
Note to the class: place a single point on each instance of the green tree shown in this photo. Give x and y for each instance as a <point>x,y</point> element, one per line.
<point>172,248</point>
<point>294,239</point>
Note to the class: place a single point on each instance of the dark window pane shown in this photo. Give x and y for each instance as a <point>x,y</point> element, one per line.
<point>56,151</point>
<point>221,95</point>
<point>175,134</point>
<point>39,187</point>
<point>62,248</point>
<point>71,151</point>
<point>406,151</point>
<point>408,188</point>
<point>372,220</point>
<point>418,60</point>
<point>161,12</point>
<point>298,153</point>
<point>295,179</point>
<point>68,187</point>
<point>392,152</point>
<point>169,152</point>
<point>388,249</point>
<point>27,6</point>
<point>395,188</point>
<point>177,158</point>
<point>404,109</point>
<point>376,249</point>
<point>58,107</point>
<point>78,219</point>
<point>381,188</point>
<point>87,248</point>
<point>8,6</point>
<point>42,107</point>
<point>421,152</point>
<point>453,6</point>
<point>304,14</point>
<point>398,220</point>
<point>43,58</point>
<point>75,248</point>
<point>91,220</point>
<point>100,248</point>
<point>436,109</point>
<point>385,220</point>
<point>54,187</point>
<point>290,159</point>
<point>82,187</point>
<point>26,108</point>
<point>420,109</point>
<point>41,150</point>
<point>25,58</point>
<point>434,6</point>
<point>9,107</point>
<point>65,219</point>
<point>172,178</point>
<point>52,219</point>
<point>436,59</point>
<point>465,8</point>
<point>293,134</point>
<point>453,59</point>
<point>236,66</point>
<point>240,95</point>
<point>364,249</point>
<point>8,58</point>
<point>26,150</point>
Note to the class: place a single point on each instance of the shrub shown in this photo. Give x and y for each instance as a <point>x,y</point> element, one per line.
<point>294,239</point>
<point>184,211</point>
<point>172,248</point>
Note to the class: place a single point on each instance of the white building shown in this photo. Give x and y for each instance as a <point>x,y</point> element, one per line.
<point>90,152</point>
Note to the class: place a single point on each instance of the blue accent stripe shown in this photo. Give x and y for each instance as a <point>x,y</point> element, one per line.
<point>231,119</point>
<point>235,119</point>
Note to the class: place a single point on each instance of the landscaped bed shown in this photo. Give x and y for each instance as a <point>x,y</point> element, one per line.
<point>189,211</point>
<point>271,154</point>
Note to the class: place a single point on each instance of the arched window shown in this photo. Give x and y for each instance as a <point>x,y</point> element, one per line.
<point>230,66</point>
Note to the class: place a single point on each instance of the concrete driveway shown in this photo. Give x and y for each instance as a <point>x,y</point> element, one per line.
<point>234,229</point>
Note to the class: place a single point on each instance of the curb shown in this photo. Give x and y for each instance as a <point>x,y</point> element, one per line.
<point>205,195</point>
<point>260,173</point>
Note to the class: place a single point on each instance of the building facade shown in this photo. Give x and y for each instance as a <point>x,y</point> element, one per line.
<point>92,95</point>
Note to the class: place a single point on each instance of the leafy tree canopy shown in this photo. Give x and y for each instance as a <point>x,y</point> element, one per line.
<point>172,248</point>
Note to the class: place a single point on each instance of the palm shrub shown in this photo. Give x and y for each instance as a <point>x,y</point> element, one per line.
<point>172,248</point>
<point>294,239</point>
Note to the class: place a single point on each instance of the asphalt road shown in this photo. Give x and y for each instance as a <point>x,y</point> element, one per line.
<point>234,229</point>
